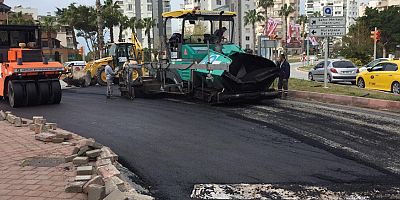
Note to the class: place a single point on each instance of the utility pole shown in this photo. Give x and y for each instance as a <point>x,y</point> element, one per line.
<point>308,50</point>
<point>376,29</point>
<point>326,62</point>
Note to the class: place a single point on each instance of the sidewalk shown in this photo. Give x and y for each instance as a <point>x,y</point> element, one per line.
<point>31,169</point>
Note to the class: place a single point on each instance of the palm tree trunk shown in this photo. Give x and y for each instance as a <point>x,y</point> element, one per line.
<point>286,35</point>
<point>74,39</point>
<point>254,37</point>
<point>111,34</point>
<point>121,28</point>
<point>100,28</point>
<point>50,44</point>
<point>149,42</point>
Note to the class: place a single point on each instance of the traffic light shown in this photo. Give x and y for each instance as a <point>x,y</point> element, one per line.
<point>376,35</point>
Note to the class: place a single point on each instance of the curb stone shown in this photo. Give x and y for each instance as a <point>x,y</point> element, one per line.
<point>379,104</point>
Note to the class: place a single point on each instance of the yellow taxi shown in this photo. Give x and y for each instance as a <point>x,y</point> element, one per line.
<point>384,76</point>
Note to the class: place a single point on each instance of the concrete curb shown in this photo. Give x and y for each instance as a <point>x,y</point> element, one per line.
<point>348,100</point>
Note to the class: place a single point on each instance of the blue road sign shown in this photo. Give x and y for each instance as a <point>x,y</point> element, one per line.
<point>328,10</point>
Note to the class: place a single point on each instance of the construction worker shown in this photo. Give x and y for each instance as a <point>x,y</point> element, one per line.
<point>219,34</point>
<point>284,75</point>
<point>110,78</point>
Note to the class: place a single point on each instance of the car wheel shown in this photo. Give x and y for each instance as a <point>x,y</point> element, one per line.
<point>310,76</point>
<point>361,83</point>
<point>396,87</point>
<point>329,78</point>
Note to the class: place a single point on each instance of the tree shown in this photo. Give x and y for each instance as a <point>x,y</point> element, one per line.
<point>285,11</point>
<point>148,25</point>
<point>123,24</point>
<point>303,19</point>
<point>87,27</point>
<point>265,4</point>
<point>317,14</point>
<point>68,16</point>
<point>356,44</point>
<point>50,27</point>
<point>100,24</point>
<point>19,19</point>
<point>112,15</point>
<point>252,17</point>
<point>388,22</point>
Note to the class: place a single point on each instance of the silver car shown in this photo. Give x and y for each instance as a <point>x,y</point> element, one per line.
<point>339,70</point>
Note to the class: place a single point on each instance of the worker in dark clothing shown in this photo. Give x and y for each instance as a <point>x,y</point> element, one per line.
<point>284,75</point>
<point>219,34</point>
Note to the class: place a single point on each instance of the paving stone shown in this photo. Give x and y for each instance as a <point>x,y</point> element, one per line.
<point>66,143</point>
<point>116,195</point>
<point>17,122</point>
<point>120,183</point>
<point>93,153</point>
<point>11,118</point>
<point>83,178</point>
<point>70,158</point>
<point>102,162</point>
<point>84,170</point>
<point>75,150</point>
<point>40,128</point>
<point>95,180</point>
<point>108,154</point>
<point>62,134</point>
<point>39,120</point>
<point>96,192</point>
<point>108,171</point>
<point>32,127</point>
<point>110,186</point>
<point>133,195</point>
<point>51,126</point>
<point>74,187</point>
<point>45,137</point>
<point>91,143</point>
<point>3,115</point>
<point>80,161</point>
<point>83,150</point>
<point>57,140</point>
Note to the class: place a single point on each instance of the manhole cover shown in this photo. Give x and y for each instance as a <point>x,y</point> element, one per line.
<point>43,161</point>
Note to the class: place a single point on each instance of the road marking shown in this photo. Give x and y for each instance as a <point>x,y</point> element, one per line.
<point>290,192</point>
<point>180,101</point>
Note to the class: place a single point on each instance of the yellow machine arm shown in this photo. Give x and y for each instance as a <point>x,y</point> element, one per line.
<point>138,49</point>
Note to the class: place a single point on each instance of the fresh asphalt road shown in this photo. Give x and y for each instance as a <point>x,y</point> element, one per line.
<point>173,145</point>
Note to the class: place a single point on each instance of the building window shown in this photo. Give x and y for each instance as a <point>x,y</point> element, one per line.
<point>129,7</point>
<point>247,46</point>
<point>149,1</point>
<point>247,38</point>
<point>219,2</point>
<point>149,7</point>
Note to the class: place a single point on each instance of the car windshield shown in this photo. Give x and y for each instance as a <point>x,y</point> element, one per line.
<point>343,64</point>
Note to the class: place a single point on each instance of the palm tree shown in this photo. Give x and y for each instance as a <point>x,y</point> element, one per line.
<point>50,27</point>
<point>285,12</point>
<point>100,24</point>
<point>316,14</point>
<point>303,19</point>
<point>112,16</point>
<point>19,19</point>
<point>265,4</point>
<point>252,17</point>
<point>148,24</point>
<point>123,24</point>
<point>68,16</point>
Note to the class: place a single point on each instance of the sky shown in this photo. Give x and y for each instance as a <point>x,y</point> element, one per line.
<point>45,6</point>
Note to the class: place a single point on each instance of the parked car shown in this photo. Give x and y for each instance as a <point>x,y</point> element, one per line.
<point>382,76</point>
<point>373,63</point>
<point>339,70</point>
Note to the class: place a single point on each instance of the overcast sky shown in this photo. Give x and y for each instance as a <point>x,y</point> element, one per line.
<point>45,6</point>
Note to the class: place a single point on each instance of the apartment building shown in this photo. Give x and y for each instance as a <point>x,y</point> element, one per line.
<point>142,9</point>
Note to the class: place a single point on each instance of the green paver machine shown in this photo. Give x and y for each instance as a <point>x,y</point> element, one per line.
<point>203,60</point>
